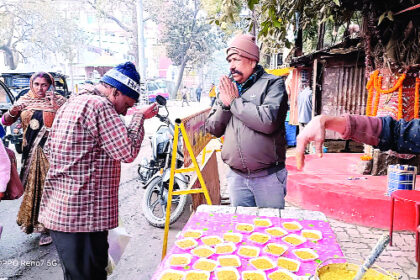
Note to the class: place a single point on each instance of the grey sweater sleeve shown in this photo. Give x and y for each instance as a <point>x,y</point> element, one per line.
<point>217,120</point>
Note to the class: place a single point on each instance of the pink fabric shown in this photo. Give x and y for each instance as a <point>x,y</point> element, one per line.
<point>363,129</point>
<point>244,45</point>
<point>4,168</point>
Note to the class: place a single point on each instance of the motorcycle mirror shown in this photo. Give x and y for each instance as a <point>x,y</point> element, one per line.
<point>161,100</point>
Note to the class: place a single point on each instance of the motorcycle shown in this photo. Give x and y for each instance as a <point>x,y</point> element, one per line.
<point>155,174</point>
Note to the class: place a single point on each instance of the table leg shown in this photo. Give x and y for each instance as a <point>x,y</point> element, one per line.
<point>392,220</point>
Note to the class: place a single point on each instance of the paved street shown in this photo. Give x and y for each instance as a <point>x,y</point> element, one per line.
<point>22,258</point>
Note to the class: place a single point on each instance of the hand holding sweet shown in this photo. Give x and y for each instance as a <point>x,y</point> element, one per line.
<point>149,111</point>
<point>228,91</point>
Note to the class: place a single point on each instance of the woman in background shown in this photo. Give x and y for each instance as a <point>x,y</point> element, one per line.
<point>36,109</point>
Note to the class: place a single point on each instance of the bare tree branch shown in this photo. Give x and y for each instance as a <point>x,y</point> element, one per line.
<point>109,16</point>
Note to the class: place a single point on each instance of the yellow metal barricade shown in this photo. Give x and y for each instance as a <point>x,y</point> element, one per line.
<point>180,126</point>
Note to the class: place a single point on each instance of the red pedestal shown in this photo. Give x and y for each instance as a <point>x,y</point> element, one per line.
<point>332,185</point>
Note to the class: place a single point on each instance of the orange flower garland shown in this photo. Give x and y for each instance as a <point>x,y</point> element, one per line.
<point>416,99</point>
<point>377,96</point>
<point>366,157</point>
<point>375,82</point>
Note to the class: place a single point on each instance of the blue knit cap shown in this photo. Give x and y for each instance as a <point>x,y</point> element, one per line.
<point>125,78</point>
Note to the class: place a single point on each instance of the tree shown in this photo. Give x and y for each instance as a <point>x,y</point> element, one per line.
<point>26,30</point>
<point>188,39</point>
<point>390,36</point>
<point>106,10</point>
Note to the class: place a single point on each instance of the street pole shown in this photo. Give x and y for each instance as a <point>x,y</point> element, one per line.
<point>140,38</point>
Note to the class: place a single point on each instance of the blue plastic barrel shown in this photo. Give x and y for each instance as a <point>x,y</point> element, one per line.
<point>401,177</point>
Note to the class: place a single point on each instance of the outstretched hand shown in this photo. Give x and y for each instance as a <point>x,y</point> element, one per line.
<point>313,131</point>
<point>228,91</point>
<point>16,109</point>
<point>149,111</point>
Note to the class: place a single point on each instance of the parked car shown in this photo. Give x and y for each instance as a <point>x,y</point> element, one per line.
<point>154,88</point>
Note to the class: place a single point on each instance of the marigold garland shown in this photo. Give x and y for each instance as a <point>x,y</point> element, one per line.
<point>366,157</point>
<point>375,83</point>
<point>377,96</point>
<point>416,99</point>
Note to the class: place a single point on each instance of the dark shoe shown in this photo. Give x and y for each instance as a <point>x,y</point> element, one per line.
<point>45,239</point>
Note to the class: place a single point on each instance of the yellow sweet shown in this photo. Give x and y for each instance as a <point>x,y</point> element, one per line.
<point>229,261</point>
<point>205,265</point>
<point>305,255</point>
<point>291,226</point>
<point>262,263</point>
<point>202,252</point>
<point>344,274</point>
<point>293,240</point>
<point>245,227</point>
<point>311,235</point>
<point>275,249</point>
<point>279,275</point>
<point>248,275</point>
<point>287,264</point>
<point>196,275</point>
<point>171,276</point>
<point>262,223</point>
<point>248,252</point>
<point>228,237</point>
<point>275,232</point>
<point>193,234</point>
<point>179,260</point>
<point>185,243</point>
<point>211,241</point>
<point>259,238</point>
<point>224,249</point>
<point>226,275</point>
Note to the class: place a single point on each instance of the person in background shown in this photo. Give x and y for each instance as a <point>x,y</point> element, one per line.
<point>4,170</point>
<point>212,94</point>
<point>87,144</point>
<point>305,106</point>
<point>198,93</point>
<point>37,110</point>
<point>184,96</point>
<point>251,113</point>
<point>384,133</point>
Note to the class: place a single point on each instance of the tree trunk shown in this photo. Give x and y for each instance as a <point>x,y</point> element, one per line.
<point>180,75</point>
<point>10,61</point>
<point>321,34</point>
<point>299,37</point>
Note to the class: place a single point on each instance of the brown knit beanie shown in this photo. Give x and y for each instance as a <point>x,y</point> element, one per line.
<point>244,45</point>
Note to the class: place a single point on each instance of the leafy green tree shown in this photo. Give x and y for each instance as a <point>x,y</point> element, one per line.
<point>390,36</point>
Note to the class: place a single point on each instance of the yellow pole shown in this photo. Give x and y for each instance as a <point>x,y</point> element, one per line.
<point>171,187</point>
<point>203,158</point>
<point>194,160</point>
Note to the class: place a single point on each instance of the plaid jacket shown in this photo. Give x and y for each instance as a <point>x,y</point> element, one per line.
<point>87,143</point>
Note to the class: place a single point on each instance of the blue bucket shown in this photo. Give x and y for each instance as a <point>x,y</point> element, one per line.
<point>401,177</point>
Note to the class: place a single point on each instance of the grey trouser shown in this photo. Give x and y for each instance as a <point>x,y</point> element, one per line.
<point>267,191</point>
